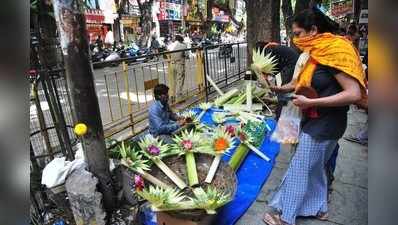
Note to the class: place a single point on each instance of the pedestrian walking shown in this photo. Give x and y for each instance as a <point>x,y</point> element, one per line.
<point>335,73</point>
<point>177,61</point>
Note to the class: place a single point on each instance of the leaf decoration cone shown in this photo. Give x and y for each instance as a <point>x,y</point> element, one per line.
<point>133,160</point>
<point>211,199</point>
<point>188,143</point>
<point>220,142</point>
<point>262,63</point>
<point>162,198</point>
<point>155,150</point>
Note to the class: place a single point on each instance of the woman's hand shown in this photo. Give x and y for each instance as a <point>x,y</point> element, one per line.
<point>302,102</point>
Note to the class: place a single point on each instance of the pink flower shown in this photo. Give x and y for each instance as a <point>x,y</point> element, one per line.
<point>187,144</point>
<point>138,183</point>
<point>153,150</point>
<point>230,130</point>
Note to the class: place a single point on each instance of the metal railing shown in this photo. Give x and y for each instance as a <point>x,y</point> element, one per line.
<point>51,121</point>
<point>126,91</point>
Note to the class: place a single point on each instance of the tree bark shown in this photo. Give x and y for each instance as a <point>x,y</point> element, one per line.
<point>80,81</point>
<point>260,25</point>
<point>287,11</point>
<point>303,4</point>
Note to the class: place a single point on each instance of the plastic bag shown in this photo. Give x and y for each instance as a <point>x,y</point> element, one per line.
<point>288,128</point>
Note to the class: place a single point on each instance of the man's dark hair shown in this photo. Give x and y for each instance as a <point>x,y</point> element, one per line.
<point>179,38</point>
<point>315,17</point>
<point>260,45</point>
<point>160,89</point>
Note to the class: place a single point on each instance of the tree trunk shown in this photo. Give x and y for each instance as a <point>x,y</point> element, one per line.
<point>80,82</point>
<point>303,4</point>
<point>263,23</point>
<point>145,22</point>
<point>287,11</point>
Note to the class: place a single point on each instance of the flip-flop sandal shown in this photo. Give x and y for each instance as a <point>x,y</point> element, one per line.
<point>273,219</point>
<point>323,216</point>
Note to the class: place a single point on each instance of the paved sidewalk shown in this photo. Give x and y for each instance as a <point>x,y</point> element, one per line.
<point>349,199</point>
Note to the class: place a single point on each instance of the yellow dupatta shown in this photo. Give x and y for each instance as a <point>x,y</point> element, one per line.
<point>329,50</point>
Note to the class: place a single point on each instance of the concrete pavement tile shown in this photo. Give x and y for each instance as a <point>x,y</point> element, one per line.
<point>348,205</point>
<point>308,221</point>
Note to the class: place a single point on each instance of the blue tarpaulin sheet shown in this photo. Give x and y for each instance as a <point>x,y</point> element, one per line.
<point>252,175</point>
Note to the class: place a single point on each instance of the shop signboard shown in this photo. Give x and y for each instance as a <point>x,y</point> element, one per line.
<point>342,7</point>
<point>169,10</point>
<point>94,16</point>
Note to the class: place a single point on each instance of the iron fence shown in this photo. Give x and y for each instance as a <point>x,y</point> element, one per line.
<point>125,91</point>
<point>51,119</point>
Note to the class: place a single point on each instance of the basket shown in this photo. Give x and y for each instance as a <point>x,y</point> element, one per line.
<point>224,180</point>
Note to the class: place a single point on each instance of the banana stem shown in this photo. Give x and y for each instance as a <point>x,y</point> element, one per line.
<point>238,156</point>
<point>214,85</point>
<point>191,169</point>
<point>170,173</point>
<point>258,152</point>
<point>213,169</point>
<point>153,179</point>
<point>186,205</point>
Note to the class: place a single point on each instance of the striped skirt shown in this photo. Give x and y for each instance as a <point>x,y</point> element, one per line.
<point>303,191</point>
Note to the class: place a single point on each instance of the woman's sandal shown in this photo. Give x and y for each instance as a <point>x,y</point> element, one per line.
<point>323,216</point>
<point>273,219</point>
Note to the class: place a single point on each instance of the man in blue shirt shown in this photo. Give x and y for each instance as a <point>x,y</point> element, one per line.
<point>162,121</point>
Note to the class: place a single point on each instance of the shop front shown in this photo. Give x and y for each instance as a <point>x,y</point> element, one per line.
<point>195,13</point>
<point>94,24</point>
<point>170,17</point>
<point>130,27</point>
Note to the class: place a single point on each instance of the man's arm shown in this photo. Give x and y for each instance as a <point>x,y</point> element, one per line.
<point>161,126</point>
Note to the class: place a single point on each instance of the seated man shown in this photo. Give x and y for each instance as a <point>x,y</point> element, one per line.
<point>162,121</point>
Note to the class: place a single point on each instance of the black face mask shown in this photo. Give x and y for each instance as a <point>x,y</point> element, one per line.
<point>164,99</point>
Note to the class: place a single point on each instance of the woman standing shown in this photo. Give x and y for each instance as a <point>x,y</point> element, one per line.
<point>334,73</point>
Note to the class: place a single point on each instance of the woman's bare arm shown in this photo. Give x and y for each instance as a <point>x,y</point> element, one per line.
<point>351,93</point>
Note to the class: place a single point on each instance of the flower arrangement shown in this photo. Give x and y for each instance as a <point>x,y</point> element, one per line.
<point>189,116</point>
<point>211,199</point>
<point>162,199</point>
<point>131,159</point>
<point>188,143</point>
<point>155,150</point>
<point>250,134</point>
<point>219,117</point>
<point>167,199</point>
<point>262,63</point>
<point>220,142</point>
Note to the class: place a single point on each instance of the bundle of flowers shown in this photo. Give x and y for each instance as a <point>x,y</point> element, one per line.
<point>155,150</point>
